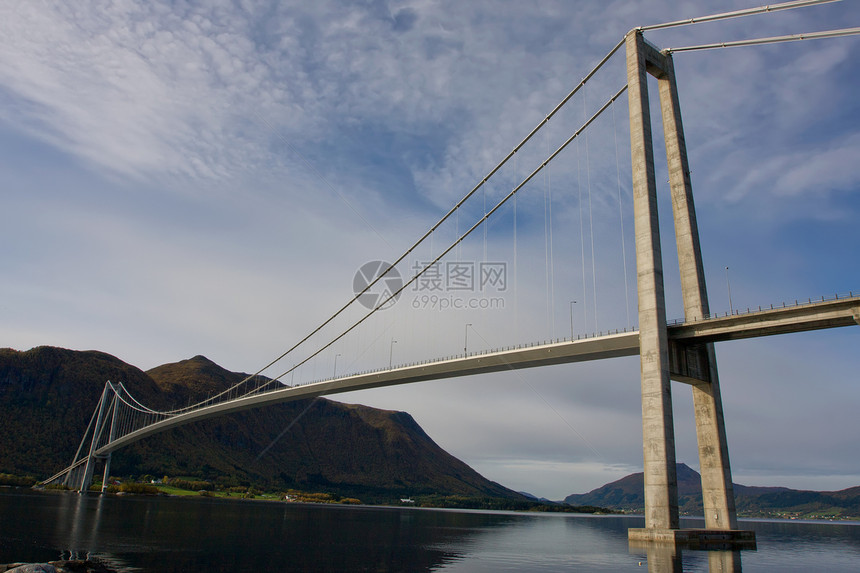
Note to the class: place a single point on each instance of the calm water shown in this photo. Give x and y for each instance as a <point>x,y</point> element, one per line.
<point>172,534</point>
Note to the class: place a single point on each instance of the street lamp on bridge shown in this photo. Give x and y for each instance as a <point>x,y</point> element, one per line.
<point>391,352</point>
<point>334,374</point>
<point>729,286</point>
<point>466,340</point>
<point>573,302</point>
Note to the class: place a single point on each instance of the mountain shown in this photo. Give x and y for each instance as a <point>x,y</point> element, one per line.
<point>751,501</point>
<point>48,396</point>
<point>629,492</point>
<point>533,497</point>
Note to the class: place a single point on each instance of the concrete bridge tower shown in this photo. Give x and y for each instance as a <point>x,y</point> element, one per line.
<point>662,359</point>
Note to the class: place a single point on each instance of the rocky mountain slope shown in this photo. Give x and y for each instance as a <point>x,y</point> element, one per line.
<point>628,494</point>
<point>48,395</point>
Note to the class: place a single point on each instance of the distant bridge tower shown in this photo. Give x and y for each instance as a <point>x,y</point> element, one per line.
<point>660,358</point>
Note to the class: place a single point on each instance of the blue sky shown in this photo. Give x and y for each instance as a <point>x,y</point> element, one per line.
<point>205,178</point>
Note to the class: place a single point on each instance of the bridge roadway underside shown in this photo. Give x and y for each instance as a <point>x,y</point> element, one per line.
<point>799,318</point>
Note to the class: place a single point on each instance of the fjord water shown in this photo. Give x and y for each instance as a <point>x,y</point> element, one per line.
<point>161,534</point>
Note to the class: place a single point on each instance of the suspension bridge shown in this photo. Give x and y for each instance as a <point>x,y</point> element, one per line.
<point>682,350</point>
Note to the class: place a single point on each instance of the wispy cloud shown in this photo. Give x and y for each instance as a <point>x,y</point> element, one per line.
<point>820,171</point>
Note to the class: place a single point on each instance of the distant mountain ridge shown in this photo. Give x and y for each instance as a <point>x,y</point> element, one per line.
<point>48,394</point>
<point>752,501</point>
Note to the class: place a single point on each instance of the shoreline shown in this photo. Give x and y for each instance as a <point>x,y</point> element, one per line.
<point>59,566</point>
<point>237,498</point>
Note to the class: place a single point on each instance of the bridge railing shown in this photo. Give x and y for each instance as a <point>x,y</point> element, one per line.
<point>485,352</point>
<point>798,303</point>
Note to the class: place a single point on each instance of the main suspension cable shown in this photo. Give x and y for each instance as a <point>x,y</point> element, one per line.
<point>772,40</point>
<point>428,233</point>
<point>444,218</point>
<point>738,13</point>
<point>453,245</point>
<point>714,17</point>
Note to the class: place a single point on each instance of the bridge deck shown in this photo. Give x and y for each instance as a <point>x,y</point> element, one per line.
<point>610,346</point>
<point>802,316</point>
<point>797,318</point>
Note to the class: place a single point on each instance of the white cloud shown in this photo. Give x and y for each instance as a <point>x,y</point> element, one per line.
<point>818,171</point>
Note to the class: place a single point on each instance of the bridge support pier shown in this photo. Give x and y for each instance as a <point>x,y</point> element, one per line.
<point>660,361</point>
<point>91,457</point>
<point>658,434</point>
<point>79,475</point>
<point>111,436</point>
<point>717,491</point>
